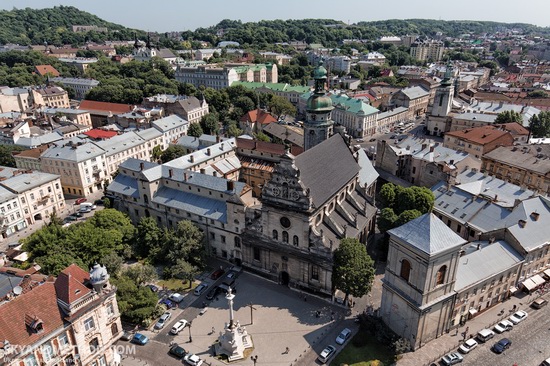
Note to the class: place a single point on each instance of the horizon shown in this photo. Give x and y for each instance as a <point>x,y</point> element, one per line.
<point>132,14</point>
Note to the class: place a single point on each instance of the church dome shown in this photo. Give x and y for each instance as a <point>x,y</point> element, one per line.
<point>320,72</point>
<point>319,103</point>
<point>98,274</point>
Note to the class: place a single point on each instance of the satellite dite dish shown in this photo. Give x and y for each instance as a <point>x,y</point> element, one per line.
<point>17,290</point>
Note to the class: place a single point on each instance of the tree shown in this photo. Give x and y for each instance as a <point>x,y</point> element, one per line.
<point>185,242</point>
<point>540,124</point>
<point>113,263</point>
<point>149,242</point>
<point>353,271</point>
<point>141,273</point>
<point>210,123</point>
<point>407,216</point>
<point>136,303</point>
<point>172,152</point>
<point>244,103</point>
<point>156,153</point>
<point>183,270</point>
<point>387,219</point>
<point>509,116</point>
<point>195,130</point>
<point>279,106</point>
<point>6,154</point>
<point>233,130</point>
<point>260,136</point>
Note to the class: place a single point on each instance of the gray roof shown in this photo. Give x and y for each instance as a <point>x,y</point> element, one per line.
<point>413,145</point>
<point>367,173</point>
<point>24,182</point>
<point>489,260</point>
<point>134,164</point>
<point>189,104</point>
<point>119,143</point>
<point>536,230</point>
<point>415,92</point>
<point>124,185</point>
<point>478,117</point>
<point>79,153</point>
<point>39,140</point>
<point>165,53</point>
<point>189,202</point>
<point>535,158</point>
<point>200,180</point>
<point>149,134</point>
<point>203,155</point>
<point>326,168</point>
<point>7,283</point>
<point>169,123</point>
<point>75,81</point>
<point>428,234</point>
<point>6,195</point>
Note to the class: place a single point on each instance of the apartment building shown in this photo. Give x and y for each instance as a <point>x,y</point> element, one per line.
<point>479,140</point>
<point>50,96</point>
<point>172,128</point>
<point>190,109</point>
<point>78,116</point>
<point>292,93</point>
<point>81,86</point>
<point>415,99</point>
<point>71,320</point>
<point>14,99</point>
<point>12,218</point>
<point>223,77</point>
<point>427,50</point>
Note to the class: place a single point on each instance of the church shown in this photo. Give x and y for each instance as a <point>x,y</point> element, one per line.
<point>311,202</point>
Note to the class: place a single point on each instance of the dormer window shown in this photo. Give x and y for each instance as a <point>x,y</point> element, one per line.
<point>35,324</point>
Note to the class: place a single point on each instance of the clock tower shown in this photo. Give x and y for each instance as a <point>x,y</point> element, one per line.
<point>318,126</point>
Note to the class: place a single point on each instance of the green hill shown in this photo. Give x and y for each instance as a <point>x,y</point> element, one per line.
<point>54,25</point>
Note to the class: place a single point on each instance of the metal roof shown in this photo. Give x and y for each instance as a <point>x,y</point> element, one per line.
<point>124,185</point>
<point>23,182</point>
<point>533,231</point>
<point>198,205</point>
<point>169,123</point>
<point>428,234</point>
<point>367,173</point>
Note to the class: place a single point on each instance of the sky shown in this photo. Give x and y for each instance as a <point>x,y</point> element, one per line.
<point>178,15</point>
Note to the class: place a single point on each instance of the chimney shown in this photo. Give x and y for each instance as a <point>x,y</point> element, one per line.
<point>478,246</point>
<point>424,146</point>
<point>218,139</point>
<point>208,151</point>
<point>215,173</point>
<point>192,158</point>
<point>203,171</point>
<point>432,148</point>
<point>230,185</point>
<point>186,176</point>
<point>522,223</point>
<point>451,162</point>
<point>170,173</point>
<point>535,216</point>
<point>141,166</point>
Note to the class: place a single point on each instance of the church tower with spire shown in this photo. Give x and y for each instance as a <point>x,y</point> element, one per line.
<point>318,125</point>
<point>443,99</point>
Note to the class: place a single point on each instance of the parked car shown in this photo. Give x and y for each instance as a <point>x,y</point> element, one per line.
<point>192,359</point>
<point>126,336</point>
<point>327,353</point>
<point>85,210</point>
<point>168,303</point>
<point>177,350</point>
<point>503,326</point>
<point>70,218</point>
<point>467,346</point>
<point>200,289</point>
<point>545,362</point>
<point>484,335</point>
<point>163,320</point>
<point>176,297</point>
<point>80,200</point>
<point>539,303</point>
<point>98,202</point>
<point>140,339</point>
<point>76,214</point>
<point>231,275</point>
<point>452,358</point>
<point>502,345</point>
<point>343,336</point>
<point>372,139</point>
<point>178,327</point>
<point>153,288</point>
<point>518,317</point>
<point>217,274</point>
<point>360,140</point>
<point>212,293</point>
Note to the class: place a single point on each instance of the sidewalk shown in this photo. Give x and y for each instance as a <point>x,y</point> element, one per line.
<point>449,342</point>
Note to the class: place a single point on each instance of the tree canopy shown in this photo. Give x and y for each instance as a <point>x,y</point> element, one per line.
<point>172,152</point>
<point>509,116</point>
<point>540,124</point>
<point>353,270</point>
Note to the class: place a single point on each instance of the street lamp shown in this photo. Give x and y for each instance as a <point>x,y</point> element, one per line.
<point>190,339</point>
<point>254,359</point>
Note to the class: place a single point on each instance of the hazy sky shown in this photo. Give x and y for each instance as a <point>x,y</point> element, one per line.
<point>172,15</point>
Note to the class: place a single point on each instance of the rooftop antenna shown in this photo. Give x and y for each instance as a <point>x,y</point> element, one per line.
<point>17,290</point>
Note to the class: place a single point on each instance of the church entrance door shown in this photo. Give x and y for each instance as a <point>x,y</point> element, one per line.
<point>285,278</point>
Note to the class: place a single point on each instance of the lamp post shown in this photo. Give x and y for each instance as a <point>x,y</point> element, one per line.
<point>190,338</point>
<point>254,359</point>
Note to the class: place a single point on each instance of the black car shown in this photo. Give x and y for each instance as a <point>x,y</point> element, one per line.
<point>76,214</point>
<point>212,293</point>
<point>70,218</point>
<point>178,351</point>
<point>502,345</point>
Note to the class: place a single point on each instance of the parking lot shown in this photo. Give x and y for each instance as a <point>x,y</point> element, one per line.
<point>275,316</point>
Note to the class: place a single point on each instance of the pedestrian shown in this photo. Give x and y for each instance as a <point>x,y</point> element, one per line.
<point>286,351</point>
<point>213,330</point>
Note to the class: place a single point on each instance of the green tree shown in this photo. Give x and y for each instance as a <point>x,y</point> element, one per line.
<point>137,304</point>
<point>184,271</point>
<point>387,195</point>
<point>172,152</point>
<point>210,123</point>
<point>233,129</point>
<point>195,130</point>
<point>113,263</point>
<point>280,106</point>
<point>141,273</point>
<point>244,103</point>
<point>537,94</point>
<point>6,154</point>
<point>407,216</point>
<point>260,136</point>
<point>149,241</point>
<point>186,242</point>
<point>509,116</point>
<point>540,124</point>
<point>353,271</point>
<point>156,153</point>
<point>387,219</point>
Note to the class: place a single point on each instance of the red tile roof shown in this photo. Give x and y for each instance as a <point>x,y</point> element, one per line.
<point>515,128</point>
<point>258,116</point>
<point>43,70</point>
<point>100,134</point>
<point>39,303</point>
<point>92,105</point>
<point>479,135</point>
<point>69,285</point>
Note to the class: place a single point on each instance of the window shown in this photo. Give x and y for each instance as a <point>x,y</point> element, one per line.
<point>63,340</point>
<point>110,309</point>
<point>31,361</point>
<point>47,351</point>
<point>213,236</point>
<point>237,242</point>
<point>295,240</point>
<point>145,199</point>
<point>32,196</point>
<point>440,277</point>
<point>114,329</point>
<point>315,273</point>
<point>256,254</point>
<point>94,345</point>
<point>223,238</point>
<point>275,235</point>
<point>102,361</point>
<point>89,324</point>
<point>405,270</point>
<point>285,236</point>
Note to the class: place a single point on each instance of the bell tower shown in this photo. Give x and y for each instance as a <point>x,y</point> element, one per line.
<point>443,98</point>
<point>318,125</point>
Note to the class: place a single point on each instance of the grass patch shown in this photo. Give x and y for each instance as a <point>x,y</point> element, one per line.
<point>176,285</point>
<point>364,350</point>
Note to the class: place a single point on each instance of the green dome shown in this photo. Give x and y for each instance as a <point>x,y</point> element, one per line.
<point>320,72</point>
<point>319,103</point>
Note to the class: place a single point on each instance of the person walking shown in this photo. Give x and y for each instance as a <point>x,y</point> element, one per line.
<point>213,330</point>
<point>286,351</point>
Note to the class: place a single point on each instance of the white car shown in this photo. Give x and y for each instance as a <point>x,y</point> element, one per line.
<point>178,327</point>
<point>192,359</point>
<point>452,358</point>
<point>518,317</point>
<point>200,289</point>
<point>503,326</point>
<point>327,353</point>
<point>467,346</point>
<point>343,336</point>
<point>177,298</point>
<point>163,320</point>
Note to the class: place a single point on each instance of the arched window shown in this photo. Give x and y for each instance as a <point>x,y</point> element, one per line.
<point>295,240</point>
<point>145,199</point>
<point>405,270</point>
<point>440,278</point>
<point>285,236</point>
<point>275,235</point>
<point>237,242</point>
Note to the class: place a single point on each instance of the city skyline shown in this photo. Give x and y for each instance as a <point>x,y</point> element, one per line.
<point>135,14</point>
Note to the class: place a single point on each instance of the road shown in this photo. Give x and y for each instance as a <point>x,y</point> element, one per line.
<point>530,344</point>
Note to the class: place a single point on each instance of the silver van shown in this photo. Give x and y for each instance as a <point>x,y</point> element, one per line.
<point>484,335</point>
